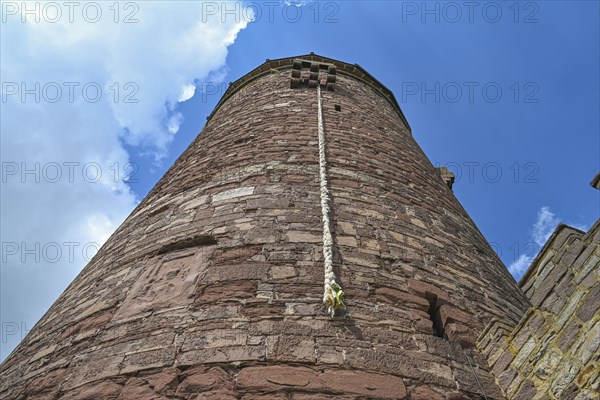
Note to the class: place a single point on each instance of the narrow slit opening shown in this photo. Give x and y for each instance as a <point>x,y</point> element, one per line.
<point>435,317</point>
<point>196,241</point>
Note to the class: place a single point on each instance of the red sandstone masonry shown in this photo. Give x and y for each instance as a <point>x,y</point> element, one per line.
<point>241,316</point>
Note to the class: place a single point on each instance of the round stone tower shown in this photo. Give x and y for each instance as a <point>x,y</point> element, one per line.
<point>305,185</point>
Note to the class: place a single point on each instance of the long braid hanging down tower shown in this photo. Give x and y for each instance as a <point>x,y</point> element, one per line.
<point>304,188</point>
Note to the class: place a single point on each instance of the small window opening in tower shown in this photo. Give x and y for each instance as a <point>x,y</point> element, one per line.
<point>186,243</point>
<point>338,107</point>
<point>435,317</point>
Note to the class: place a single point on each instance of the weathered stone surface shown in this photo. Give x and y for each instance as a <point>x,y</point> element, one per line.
<point>461,334</point>
<point>425,393</point>
<point>399,297</point>
<point>291,348</point>
<point>212,288</point>
<point>232,194</point>
<point>589,304</point>
<point>527,391</point>
<point>137,388</point>
<point>201,379</point>
<point>554,350</point>
<point>328,382</point>
<point>100,390</point>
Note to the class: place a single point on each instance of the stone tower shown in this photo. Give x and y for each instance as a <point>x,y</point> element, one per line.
<point>305,183</point>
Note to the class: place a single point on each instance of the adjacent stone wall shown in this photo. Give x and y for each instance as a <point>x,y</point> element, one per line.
<point>553,352</point>
<point>212,287</point>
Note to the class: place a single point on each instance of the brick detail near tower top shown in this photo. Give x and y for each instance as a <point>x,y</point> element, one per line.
<point>309,74</point>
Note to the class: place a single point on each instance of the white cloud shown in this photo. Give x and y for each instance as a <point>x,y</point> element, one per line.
<point>518,267</point>
<point>187,92</point>
<point>545,224</point>
<point>174,123</point>
<point>297,3</point>
<point>75,142</point>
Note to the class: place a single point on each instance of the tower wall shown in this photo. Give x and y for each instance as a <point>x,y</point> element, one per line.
<point>214,283</point>
<point>554,351</point>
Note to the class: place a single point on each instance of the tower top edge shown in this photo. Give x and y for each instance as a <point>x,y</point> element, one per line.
<point>531,271</point>
<point>343,68</point>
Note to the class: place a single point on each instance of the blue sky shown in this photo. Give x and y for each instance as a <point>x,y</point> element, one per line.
<point>506,94</point>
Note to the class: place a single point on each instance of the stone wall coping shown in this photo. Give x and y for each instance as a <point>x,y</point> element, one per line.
<point>595,183</point>
<point>495,322</point>
<point>529,274</point>
<point>353,70</point>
